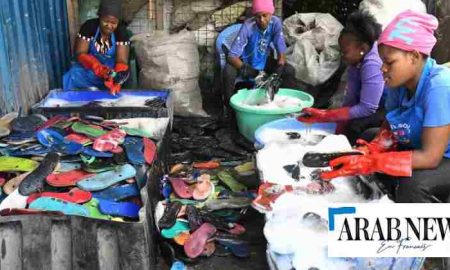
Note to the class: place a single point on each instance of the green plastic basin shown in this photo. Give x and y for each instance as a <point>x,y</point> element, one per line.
<point>249,118</point>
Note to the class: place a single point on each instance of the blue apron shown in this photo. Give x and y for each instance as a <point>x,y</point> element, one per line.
<point>257,49</point>
<point>406,120</point>
<point>79,77</point>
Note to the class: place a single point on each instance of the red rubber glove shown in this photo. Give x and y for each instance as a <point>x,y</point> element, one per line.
<point>90,62</point>
<point>320,116</point>
<point>391,163</point>
<point>119,75</point>
<point>383,142</point>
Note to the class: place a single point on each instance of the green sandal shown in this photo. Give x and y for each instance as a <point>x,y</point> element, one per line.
<point>15,164</point>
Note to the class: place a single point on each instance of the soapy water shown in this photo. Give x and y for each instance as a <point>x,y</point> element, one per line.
<point>255,101</point>
<point>296,227</point>
<point>306,136</point>
<point>123,101</point>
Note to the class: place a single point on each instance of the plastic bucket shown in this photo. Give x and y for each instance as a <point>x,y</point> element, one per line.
<point>288,124</point>
<point>249,118</point>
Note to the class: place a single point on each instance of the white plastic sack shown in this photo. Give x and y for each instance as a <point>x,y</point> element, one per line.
<point>385,11</point>
<point>171,62</point>
<point>314,52</point>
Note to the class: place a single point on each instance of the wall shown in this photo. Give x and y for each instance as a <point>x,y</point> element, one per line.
<point>34,51</point>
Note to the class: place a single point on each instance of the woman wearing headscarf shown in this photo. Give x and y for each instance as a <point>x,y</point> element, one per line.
<point>101,49</point>
<point>363,104</point>
<point>410,155</point>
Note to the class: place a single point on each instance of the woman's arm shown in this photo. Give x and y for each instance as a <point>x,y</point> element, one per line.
<point>81,46</point>
<point>372,86</point>
<point>122,54</point>
<point>434,144</point>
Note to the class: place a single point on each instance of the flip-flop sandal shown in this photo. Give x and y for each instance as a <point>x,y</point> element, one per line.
<point>32,150</point>
<point>219,222</point>
<point>180,226</point>
<point>149,151</point>
<point>53,204</point>
<point>120,209</point>
<point>177,168</point>
<point>245,167</point>
<point>14,164</point>
<point>89,130</point>
<point>267,195</point>
<point>94,212</point>
<point>117,193</point>
<point>107,179</point>
<point>13,183</point>
<point>94,153</point>
<point>54,140</point>
<point>68,166</point>
<point>230,163</point>
<point>63,124</point>
<point>232,203</point>
<point>196,243</point>
<point>67,179</point>
<point>238,248</point>
<point>317,159</point>
<point>51,122</point>
<point>209,250</point>
<point>209,165</point>
<point>134,148</point>
<point>75,195</point>
<point>170,215</point>
<point>222,251</point>
<point>4,131</point>
<point>78,138</point>
<point>98,165</point>
<point>20,212</point>
<point>5,121</point>
<point>237,229</point>
<point>109,142</point>
<point>203,188</point>
<point>120,158</point>
<point>19,138</point>
<point>230,182</point>
<point>27,123</point>
<point>193,217</point>
<point>34,182</point>
<point>180,188</point>
<point>181,238</point>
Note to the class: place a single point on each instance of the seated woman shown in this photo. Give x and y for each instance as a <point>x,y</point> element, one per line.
<point>363,105</point>
<point>411,152</point>
<point>251,49</point>
<point>101,49</point>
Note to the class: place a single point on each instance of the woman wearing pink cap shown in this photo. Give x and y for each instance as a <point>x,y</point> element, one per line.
<point>411,152</point>
<point>251,49</point>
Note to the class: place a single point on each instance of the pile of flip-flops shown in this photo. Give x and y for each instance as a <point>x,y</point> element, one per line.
<point>71,166</point>
<point>203,204</point>
<point>205,139</point>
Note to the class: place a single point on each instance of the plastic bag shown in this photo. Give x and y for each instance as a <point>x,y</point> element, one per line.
<point>171,62</point>
<point>385,11</point>
<point>314,54</point>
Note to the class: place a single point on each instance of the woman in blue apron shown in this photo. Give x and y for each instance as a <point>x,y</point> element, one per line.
<point>251,51</point>
<point>101,49</point>
<point>411,153</point>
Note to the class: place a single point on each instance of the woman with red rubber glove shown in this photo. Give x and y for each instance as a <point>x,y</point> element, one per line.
<point>411,152</point>
<point>361,108</point>
<point>101,49</point>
